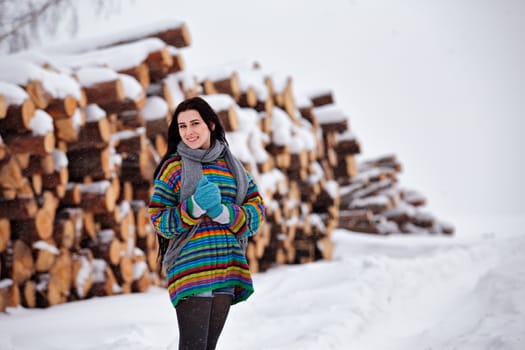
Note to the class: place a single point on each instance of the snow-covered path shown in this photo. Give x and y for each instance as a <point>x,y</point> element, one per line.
<point>398,292</point>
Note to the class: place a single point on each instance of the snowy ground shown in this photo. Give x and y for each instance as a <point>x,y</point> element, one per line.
<point>398,292</point>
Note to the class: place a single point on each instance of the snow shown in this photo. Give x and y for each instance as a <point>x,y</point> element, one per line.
<point>89,76</point>
<point>13,94</point>
<point>41,123</point>
<point>416,80</point>
<point>42,245</point>
<point>396,292</point>
<point>94,113</point>
<point>132,88</point>
<point>20,72</point>
<point>154,108</point>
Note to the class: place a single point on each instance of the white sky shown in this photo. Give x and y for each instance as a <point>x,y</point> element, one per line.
<point>438,83</point>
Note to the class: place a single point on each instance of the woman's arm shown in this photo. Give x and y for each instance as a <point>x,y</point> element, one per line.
<point>169,216</point>
<point>246,219</point>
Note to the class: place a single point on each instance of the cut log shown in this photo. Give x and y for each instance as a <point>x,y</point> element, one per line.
<point>33,229</point>
<point>107,247</point>
<point>11,176</point>
<point>229,119</point>
<point>62,108</point>
<point>18,208</point>
<point>229,85</point>
<point>140,73</point>
<point>141,277</point>
<point>123,271</point>
<point>64,232</point>
<point>29,143</point>
<point>94,135</point>
<point>82,273</point>
<point>104,281</point>
<point>39,95</point>
<point>177,59</point>
<point>22,262</point>
<point>44,254</point>
<point>178,36</point>
<point>5,236</point>
<point>321,98</point>
<point>105,92</point>
<point>47,291</point>
<point>97,197</point>
<point>28,294</point>
<point>67,129</point>
<point>18,117</point>
<point>158,63</point>
<point>3,107</point>
<point>5,284</point>
<point>90,161</point>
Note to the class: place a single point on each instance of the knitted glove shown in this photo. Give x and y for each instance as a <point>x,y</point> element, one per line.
<point>208,196</point>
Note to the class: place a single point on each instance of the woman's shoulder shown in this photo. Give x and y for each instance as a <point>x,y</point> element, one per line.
<point>171,167</point>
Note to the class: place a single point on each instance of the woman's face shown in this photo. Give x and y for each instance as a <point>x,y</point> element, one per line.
<point>193,130</point>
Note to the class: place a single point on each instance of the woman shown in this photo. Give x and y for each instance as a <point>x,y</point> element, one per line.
<point>203,205</point>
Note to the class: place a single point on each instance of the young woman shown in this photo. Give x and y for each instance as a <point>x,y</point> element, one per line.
<point>203,207</point>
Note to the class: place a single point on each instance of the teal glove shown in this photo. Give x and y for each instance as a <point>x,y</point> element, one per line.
<point>208,197</point>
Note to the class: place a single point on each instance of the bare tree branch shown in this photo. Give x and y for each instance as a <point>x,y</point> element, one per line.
<point>24,22</point>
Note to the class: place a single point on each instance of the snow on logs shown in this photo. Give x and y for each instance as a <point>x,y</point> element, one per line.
<point>82,131</point>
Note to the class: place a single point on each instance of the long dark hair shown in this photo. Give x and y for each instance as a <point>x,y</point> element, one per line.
<point>217,133</point>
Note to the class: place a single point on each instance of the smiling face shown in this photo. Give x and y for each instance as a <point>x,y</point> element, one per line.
<point>193,130</point>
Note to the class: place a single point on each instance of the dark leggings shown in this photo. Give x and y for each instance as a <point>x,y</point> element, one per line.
<point>201,320</point>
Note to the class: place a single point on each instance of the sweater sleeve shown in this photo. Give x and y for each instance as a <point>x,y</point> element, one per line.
<point>169,216</point>
<point>247,218</point>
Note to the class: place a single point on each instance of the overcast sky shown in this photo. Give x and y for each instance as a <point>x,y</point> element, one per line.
<point>438,83</point>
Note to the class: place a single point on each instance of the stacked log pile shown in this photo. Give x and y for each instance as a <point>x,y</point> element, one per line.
<point>81,134</point>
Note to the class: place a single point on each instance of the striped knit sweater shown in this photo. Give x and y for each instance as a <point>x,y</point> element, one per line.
<point>212,258</point>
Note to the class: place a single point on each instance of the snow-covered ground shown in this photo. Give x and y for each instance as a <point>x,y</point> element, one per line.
<point>396,292</point>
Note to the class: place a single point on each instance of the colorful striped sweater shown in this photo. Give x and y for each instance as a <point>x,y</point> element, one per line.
<point>212,258</point>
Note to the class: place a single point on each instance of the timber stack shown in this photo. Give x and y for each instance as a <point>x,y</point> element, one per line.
<point>82,132</point>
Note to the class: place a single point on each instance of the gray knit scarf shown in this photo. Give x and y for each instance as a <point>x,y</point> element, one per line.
<point>192,160</point>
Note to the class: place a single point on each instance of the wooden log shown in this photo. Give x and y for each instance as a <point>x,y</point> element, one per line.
<point>67,129</point>
<point>11,176</point>
<point>107,247</point>
<point>105,92</point>
<point>321,98</point>
<point>18,208</point>
<point>62,273</point>
<point>158,63</point>
<point>33,229</point>
<point>229,119</point>
<point>94,135</point>
<point>139,167</point>
<point>178,36</point>
<point>5,284</point>
<point>5,234</point>
<point>48,291</point>
<point>44,255</point>
<point>62,108</point>
<point>82,274</point>
<point>140,73</point>
<point>22,262</point>
<point>97,197</point>
<point>104,281</point>
<point>18,117</point>
<point>29,143</point>
<point>177,59</point>
<point>28,294</point>
<point>123,271</point>
<point>3,107</point>
<point>39,95</point>
<point>229,85</point>
<point>90,161</point>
